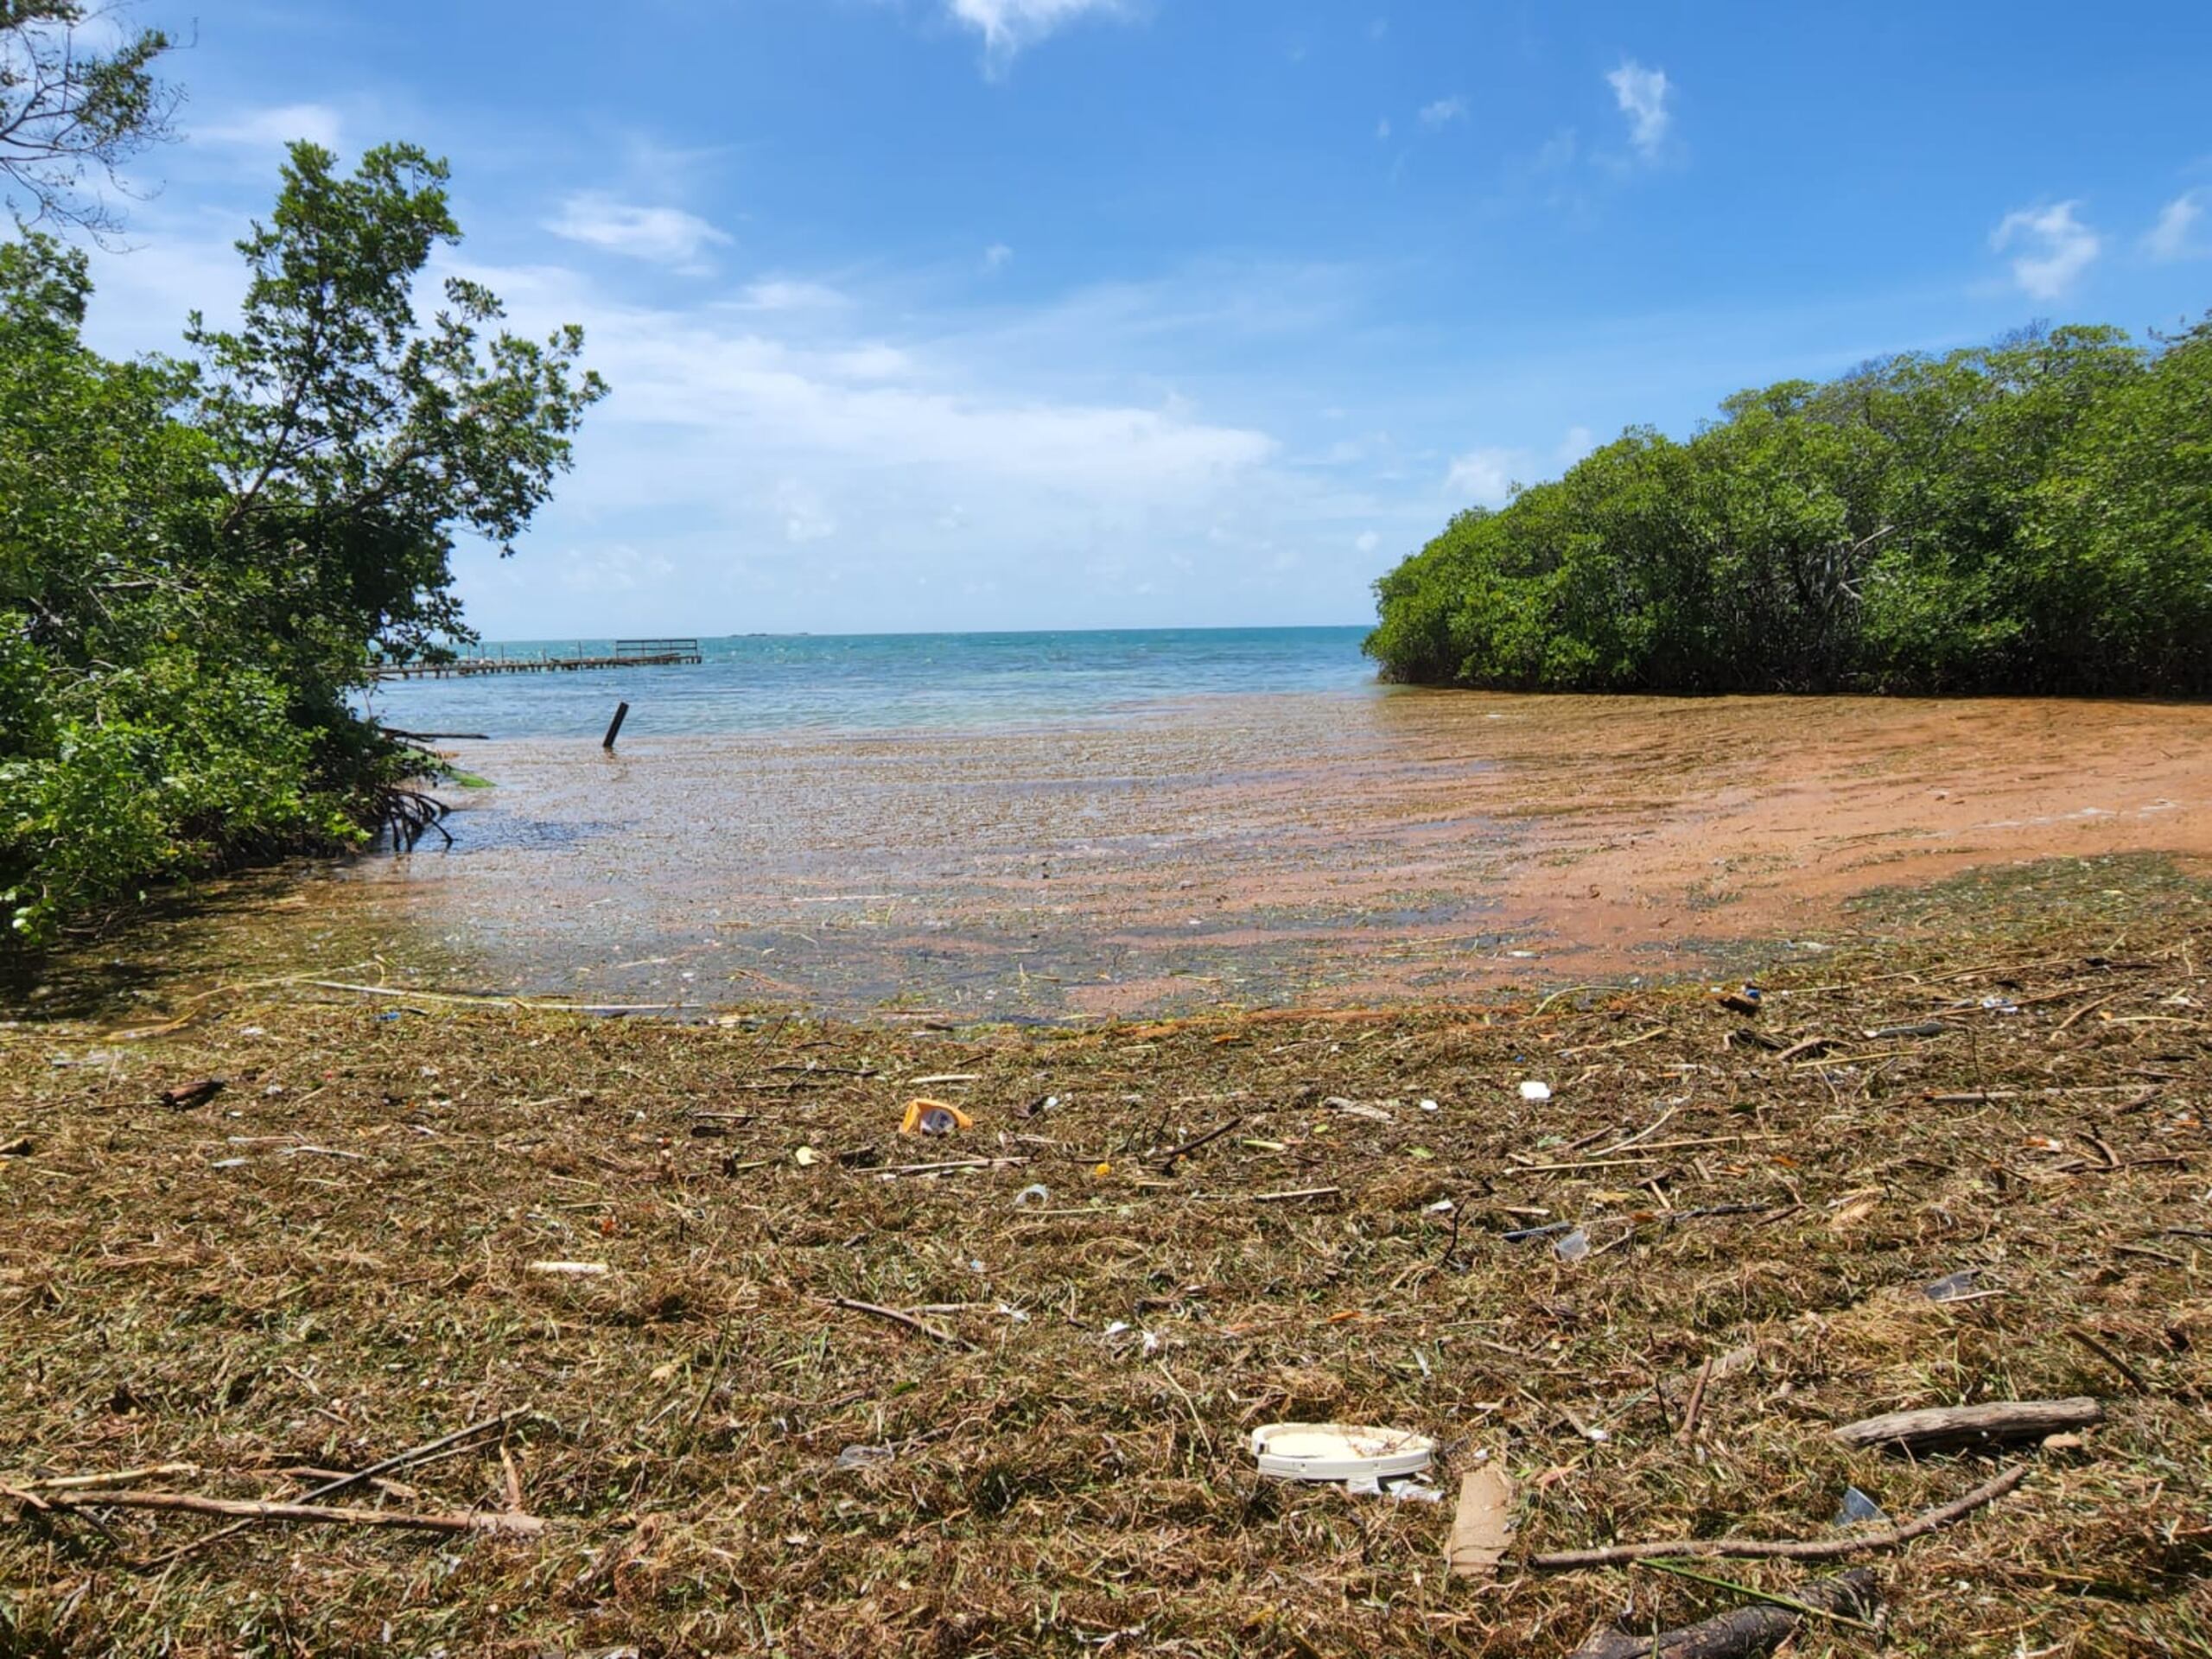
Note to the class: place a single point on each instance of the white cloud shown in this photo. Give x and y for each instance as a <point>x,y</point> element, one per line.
<point>664,236</point>
<point>1444,112</point>
<point>805,519</point>
<point>2173,235</point>
<point>1008,26</point>
<point>1383,129</point>
<point>1490,475</point>
<point>1641,94</point>
<point>1366,542</point>
<point>778,293</point>
<point>996,256</point>
<point>2055,248</point>
<point>275,127</point>
<point>1486,476</point>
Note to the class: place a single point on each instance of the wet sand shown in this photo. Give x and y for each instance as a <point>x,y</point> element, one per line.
<point>1326,848</point>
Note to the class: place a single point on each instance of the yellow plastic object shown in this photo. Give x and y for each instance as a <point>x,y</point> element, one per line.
<point>925,1116</point>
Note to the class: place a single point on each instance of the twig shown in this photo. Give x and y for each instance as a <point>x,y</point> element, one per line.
<point>1689,1430</point>
<point>1790,1602</point>
<point>1744,1631</point>
<point>2087,1008</point>
<point>1290,1197</point>
<point>518,1526</point>
<point>908,1319</point>
<point>120,1477</point>
<point>1810,1549</point>
<point>398,1460</point>
<point>1645,1133</point>
<point>1166,1159</point>
<point>2095,1344</point>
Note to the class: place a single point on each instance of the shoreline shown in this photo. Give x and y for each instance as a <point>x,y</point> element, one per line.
<point>345,1252</point>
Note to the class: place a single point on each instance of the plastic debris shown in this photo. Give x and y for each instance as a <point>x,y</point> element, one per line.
<point>1745,999</point>
<point>1574,1247</point>
<point>926,1116</point>
<point>1858,1508</point>
<point>864,1457</point>
<point>1549,1227</point>
<point>1340,1451</point>
<point>806,1157</point>
<point>1429,1106</point>
<point>570,1269</point>
<point>1533,1091</point>
<point>2000,1005</point>
<point>1033,1195</point>
<point>1924,1028</point>
<point>1951,1286</point>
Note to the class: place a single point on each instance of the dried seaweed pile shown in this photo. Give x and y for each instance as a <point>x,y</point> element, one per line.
<point>777,1377</point>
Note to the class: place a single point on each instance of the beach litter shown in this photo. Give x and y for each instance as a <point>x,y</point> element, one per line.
<point>1482,1526</point>
<point>1574,1247</point>
<point>1364,1461</point>
<point>1857,1510</point>
<point>1030,1196</point>
<point>926,1116</point>
<point>1952,1287</point>
<point>1745,999</point>
<point>1533,1091</point>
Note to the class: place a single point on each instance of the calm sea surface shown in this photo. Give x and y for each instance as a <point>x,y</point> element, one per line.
<point>830,682</point>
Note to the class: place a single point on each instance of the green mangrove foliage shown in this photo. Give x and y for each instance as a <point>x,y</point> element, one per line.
<point>201,557</point>
<point>2032,515</point>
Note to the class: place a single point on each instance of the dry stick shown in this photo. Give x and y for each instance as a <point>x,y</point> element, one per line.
<point>1166,1159</point>
<point>2088,1007</point>
<point>1812,1549</point>
<point>1756,1594</point>
<point>1746,1631</point>
<point>1656,1125</point>
<point>518,1526</point>
<point>120,1477</point>
<point>2089,1340</point>
<point>1697,1399</point>
<point>398,1460</point>
<point>907,1319</point>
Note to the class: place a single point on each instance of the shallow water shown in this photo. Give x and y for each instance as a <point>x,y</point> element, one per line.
<point>907,682</point>
<point>1329,841</point>
<point>1356,845</point>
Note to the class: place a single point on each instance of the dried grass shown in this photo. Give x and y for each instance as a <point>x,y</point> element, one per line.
<point>358,1282</point>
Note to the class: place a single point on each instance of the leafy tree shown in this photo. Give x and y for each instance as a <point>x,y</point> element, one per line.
<point>73,111</point>
<point>2030,515</point>
<point>199,559</point>
<point>353,443</point>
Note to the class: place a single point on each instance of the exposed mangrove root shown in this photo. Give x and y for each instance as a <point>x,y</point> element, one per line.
<point>407,815</point>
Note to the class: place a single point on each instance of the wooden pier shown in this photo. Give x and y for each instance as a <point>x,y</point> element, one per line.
<point>628,653</point>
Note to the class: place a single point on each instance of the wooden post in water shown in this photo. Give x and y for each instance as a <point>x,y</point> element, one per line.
<point>614,726</point>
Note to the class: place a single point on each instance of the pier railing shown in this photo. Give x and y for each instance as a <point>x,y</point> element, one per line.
<point>628,653</point>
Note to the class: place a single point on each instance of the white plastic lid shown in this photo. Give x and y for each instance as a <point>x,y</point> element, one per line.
<point>1339,1451</point>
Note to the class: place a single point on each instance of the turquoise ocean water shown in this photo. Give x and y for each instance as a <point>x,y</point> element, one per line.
<point>826,683</point>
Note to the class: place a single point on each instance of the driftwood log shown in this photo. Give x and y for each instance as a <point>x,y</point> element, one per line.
<point>1745,1631</point>
<point>1951,1429</point>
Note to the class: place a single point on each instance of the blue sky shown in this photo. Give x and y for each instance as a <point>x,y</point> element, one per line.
<point>948,313</point>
